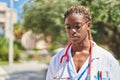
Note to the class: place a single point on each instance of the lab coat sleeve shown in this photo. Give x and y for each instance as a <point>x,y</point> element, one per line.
<point>54,65</point>
<point>50,71</point>
<point>114,70</point>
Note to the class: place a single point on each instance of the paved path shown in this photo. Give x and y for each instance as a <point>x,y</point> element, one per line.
<point>26,71</point>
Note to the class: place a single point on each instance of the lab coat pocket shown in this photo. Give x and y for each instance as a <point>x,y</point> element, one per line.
<point>101,75</point>
<point>101,78</point>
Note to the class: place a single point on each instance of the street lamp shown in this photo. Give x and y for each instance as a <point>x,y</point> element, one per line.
<point>11,34</point>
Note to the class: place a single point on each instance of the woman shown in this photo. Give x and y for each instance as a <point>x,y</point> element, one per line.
<point>82,59</point>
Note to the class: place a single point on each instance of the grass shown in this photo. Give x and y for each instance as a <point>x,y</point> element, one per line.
<point>3,63</point>
<point>44,59</point>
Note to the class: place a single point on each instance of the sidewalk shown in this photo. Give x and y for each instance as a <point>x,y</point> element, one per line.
<point>3,74</point>
<point>26,71</point>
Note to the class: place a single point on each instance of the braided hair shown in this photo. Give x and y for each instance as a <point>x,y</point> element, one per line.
<point>82,11</point>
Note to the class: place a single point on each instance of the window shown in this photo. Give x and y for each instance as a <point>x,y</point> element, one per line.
<point>2,14</point>
<point>1,29</point>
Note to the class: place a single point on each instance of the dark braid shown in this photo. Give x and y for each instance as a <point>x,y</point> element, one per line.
<point>82,11</point>
<point>79,10</point>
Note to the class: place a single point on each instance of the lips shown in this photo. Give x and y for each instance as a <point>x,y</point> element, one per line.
<point>74,37</point>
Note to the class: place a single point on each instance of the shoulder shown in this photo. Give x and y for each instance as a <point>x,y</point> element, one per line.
<point>59,53</point>
<point>104,55</point>
<point>56,58</point>
<point>107,62</point>
<point>101,52</point>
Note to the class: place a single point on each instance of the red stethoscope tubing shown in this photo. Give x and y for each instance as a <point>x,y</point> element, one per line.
<point>67,56</point>
<point>90,59</point>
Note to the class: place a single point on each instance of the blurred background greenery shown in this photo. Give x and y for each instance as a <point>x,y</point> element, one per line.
<point>46,17</point>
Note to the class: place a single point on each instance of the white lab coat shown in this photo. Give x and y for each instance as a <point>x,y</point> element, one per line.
<point>102,61</point>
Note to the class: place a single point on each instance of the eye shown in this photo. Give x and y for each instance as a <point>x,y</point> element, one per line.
<point>78,26</point>
<point>68,27</point>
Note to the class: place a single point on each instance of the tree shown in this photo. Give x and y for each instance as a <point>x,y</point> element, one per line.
<point>106,23</point>
<point>46,16</point>
<point>18,31</point>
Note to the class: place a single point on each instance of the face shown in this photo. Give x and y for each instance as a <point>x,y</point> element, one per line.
<point>76,28</point>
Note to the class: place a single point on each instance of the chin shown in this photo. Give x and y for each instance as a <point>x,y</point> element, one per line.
<point>75,41</point>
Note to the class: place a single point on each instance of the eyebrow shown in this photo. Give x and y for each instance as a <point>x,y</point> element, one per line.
<point>75,23</point>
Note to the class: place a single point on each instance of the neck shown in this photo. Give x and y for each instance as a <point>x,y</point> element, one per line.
<point>82,47</point>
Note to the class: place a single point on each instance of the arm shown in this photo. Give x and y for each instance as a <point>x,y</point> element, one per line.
<point>50,71</point>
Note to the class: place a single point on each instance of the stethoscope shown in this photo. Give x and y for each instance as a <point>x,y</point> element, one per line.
<point>89,64</point>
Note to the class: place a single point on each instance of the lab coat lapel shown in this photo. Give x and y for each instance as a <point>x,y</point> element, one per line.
<point>72,67</point>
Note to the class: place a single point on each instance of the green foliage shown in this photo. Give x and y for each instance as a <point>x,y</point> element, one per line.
<point>106,23</point>
<point>17,50</point>
<point>53,47</point>
<point>18,31</point>
<point>18,45</point>
<point>46,16</point>
<point>4,49</point>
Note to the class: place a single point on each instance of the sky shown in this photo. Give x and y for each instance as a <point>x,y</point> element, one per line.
<point>17,6</point>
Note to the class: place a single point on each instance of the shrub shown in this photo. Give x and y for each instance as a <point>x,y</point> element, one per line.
<point>4,49</point>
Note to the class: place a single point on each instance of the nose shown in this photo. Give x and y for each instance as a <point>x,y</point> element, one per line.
<point>74,30</point>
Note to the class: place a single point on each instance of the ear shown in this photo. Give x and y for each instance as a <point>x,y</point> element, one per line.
<point>89,25</point>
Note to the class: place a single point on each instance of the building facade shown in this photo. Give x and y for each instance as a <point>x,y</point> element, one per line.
<point>5,18</point>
